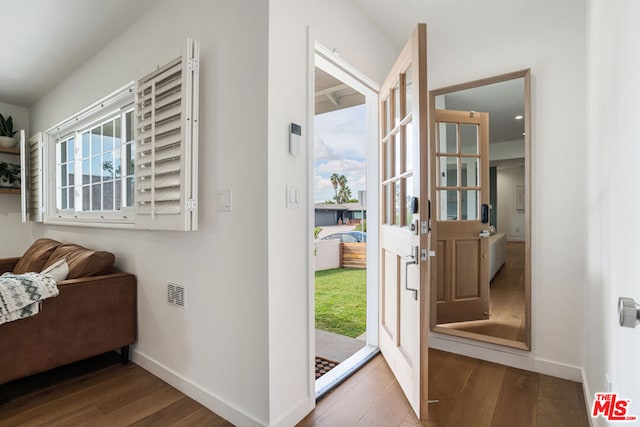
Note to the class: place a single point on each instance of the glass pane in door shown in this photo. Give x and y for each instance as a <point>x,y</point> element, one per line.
<point>387,158</point>
<point>470,204</point>
<point>469,138</point>
<point>408,88</point>
<point>386,112</point>
<point>408,164</point>
<point>448,171</point>
<point>397,203</point>
<point>387,204</point>
<point>447,205</point>
<point>397,154</point>
<point>447,138</point>
<point>469,172</point>
<point>408,198</point>
<point>396,97</point>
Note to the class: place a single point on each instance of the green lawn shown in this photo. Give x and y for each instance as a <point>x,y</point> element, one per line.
<point>341,301</point>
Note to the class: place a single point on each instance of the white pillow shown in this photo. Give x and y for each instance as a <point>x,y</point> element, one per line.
<point>58,271</point>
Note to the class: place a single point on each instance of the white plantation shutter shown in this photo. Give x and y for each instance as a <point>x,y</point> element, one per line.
<point>31,177</point>
<point>166,124</point>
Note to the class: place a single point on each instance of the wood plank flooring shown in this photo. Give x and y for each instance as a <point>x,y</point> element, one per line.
<point>506,300</point>
<point>471,392</point>
<point>101,392</point>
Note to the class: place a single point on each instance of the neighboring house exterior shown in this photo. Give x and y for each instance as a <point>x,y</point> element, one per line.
<point>343,213</point>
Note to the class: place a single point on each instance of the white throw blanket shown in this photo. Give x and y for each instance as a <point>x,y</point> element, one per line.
<point>20,294</point>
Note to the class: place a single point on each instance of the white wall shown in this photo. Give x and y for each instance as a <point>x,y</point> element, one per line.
<point>510,220</point>
<point>472,40</point>
<point>337,25</point>
<point>19,114</point>
<point>612,202</point>
<point>17,236</point>
<point>216,348</point>
<point>327,254</point>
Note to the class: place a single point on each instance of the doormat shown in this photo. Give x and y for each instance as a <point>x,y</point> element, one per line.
<point>324,365</point>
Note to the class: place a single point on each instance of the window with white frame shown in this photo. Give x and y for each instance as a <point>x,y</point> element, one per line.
<point>95,166</point>
<point>128,160</point>
<point>95,161</point>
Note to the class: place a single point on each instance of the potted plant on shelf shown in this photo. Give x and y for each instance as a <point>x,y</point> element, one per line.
<point>9,175</point>
<point>7,132</point>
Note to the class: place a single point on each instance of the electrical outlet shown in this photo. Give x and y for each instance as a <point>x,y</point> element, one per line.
<point>224,200</point>
<point>176,294</point>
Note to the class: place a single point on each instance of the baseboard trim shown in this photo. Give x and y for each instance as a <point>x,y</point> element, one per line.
<point>515,358</point>
<point>194,391</point>
<point>296,415</point>
<point>557,369</point>
<point>588,400</point>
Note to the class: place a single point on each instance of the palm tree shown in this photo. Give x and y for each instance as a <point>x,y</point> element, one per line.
<point>345,194</point>
<point>342,182</point>
<point>334,181</point>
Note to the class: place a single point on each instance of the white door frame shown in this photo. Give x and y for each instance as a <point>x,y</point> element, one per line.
<point>321,57</point>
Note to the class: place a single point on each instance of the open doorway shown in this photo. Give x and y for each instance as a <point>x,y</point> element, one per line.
<point>345,254</point>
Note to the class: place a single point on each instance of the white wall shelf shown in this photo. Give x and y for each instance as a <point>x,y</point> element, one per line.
<point>12,150</point>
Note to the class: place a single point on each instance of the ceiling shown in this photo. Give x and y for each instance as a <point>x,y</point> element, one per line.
<point>395,19</point>
<point>332,94</point>
<point>47,40</point>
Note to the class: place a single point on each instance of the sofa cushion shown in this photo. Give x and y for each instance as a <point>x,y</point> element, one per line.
<point>82,262</point>
<point>36,256</point>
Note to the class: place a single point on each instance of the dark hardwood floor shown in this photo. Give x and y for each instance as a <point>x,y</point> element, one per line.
<point>101,392</point>
<point>471,392</point>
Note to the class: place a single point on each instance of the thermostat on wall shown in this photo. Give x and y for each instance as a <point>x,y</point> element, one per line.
<point>295,134</point>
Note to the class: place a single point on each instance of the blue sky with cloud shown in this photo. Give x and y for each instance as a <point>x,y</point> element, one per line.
<point>340,147</point>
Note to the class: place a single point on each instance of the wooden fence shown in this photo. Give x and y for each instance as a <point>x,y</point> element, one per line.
<point>354,255</point>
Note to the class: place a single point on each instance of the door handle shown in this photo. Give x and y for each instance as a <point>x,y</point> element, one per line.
<point>629,311</point>
<point>484,233</point>
<point>412,260</point>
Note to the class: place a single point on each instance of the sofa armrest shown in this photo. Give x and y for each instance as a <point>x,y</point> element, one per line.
<point>7,264</point>
<point>90,316</point>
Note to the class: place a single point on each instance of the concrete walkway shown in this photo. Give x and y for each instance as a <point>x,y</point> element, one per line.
<point>337,347</point>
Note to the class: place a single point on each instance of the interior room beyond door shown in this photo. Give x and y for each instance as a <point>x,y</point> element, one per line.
<point>496,307</point>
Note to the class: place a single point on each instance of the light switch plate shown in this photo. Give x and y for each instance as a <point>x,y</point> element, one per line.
<point>293,197</point>
<point>224,200</point>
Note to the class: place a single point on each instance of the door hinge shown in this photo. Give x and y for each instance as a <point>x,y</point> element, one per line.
<point>191,205</point>
<point>192,64</point>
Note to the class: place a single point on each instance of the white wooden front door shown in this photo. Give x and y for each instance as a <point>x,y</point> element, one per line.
<point>404,295</point>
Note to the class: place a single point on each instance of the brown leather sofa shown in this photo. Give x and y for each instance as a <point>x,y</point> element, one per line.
<point>94,313</point>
